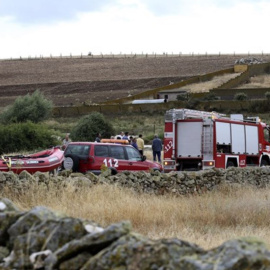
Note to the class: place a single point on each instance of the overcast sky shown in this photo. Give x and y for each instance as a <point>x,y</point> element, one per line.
<point>64,27</point>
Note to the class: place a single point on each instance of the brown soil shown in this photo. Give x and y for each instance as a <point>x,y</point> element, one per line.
<point>69,81</point>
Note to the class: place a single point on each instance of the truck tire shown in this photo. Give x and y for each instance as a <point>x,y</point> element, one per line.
<point>264,162</point>
<point>230,164</point>
<point>71,162</point>
<point>113,171</point>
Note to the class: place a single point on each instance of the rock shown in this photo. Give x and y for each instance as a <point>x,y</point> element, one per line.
<point>26,175</point>
<point>91,243</point>
<point>76,174</point>
<point>7,219</point>
<point>37,258</point>
<point>9,214</point>
<point>81,181</point>
<point>92,177</point>
<point>65,173</point>
<point>41,177</point>
<point>245,253</point>
<point>34,217</point>
<point>134,251</point>
<point>7,205</point>
<point>2,177</point>
<point>248,61</point>
<point>76,262</point>
<point>4,252</point>
<point>10,176</point>
<point>49,235</point>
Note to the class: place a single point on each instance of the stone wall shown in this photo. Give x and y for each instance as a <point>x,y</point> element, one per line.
<point>177,183</point>
<point>42,239</point>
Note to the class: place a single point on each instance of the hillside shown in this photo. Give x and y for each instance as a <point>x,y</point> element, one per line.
<point>94,79</point>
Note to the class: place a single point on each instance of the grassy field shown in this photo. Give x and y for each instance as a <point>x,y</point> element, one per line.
<point>135,124</point>
<point>207,220</point>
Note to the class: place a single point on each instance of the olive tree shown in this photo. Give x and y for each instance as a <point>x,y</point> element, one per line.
<point>34,108</point>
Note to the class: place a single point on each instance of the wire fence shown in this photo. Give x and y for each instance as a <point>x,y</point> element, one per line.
<point>136,55</point>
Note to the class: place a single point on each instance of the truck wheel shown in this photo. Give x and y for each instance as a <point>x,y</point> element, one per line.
<point>264,162</point>
<point>113,171</point>
<point>230,164</point>
<point>71,162</point>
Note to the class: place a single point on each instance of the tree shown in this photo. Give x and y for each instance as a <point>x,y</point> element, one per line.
<point>88,127</point>
<point>34,108</point>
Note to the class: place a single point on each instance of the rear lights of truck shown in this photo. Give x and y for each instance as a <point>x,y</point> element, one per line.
<point>208,164</point>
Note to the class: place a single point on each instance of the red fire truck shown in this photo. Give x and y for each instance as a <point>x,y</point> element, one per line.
<point>198,140</point>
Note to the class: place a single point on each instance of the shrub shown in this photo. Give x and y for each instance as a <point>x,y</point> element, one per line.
<point>183,97</point>
<point>192,103</point>
<point>259,106</point>
<point>240,96</point>
<point>88,127</point>
<point>25,136</point>
<point>33,108</point>
<point>211,96</point>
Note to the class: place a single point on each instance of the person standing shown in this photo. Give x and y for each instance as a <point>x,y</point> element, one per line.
<point>125,137</point>
<point>65,142</point>
<point>98,137</point>
<point>140,143</point>
<point>134,143</point>
<point>157,147</point>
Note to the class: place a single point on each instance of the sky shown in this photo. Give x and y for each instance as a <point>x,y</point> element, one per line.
<point>34,28</point>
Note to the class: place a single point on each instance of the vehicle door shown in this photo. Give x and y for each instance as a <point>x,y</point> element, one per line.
<point>135,160</point>
<point>117,158</point>
<point>79,153</point>
<point>101,154</point>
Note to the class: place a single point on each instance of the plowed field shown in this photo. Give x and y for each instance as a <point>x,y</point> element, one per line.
<point>68,81</point>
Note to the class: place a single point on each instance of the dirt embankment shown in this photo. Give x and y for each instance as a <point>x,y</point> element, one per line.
<point>68,81</point>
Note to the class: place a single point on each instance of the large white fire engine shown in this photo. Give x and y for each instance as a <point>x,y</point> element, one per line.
<point>195,140</point>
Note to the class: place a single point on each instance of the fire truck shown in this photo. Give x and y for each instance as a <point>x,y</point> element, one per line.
<point>199,140</point>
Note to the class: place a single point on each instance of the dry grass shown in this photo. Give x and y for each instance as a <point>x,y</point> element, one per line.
<point>207,220</point>
<point>206,86</point>
<point>260,81</point>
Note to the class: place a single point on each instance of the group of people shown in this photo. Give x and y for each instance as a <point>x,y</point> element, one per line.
<point>137,143</point>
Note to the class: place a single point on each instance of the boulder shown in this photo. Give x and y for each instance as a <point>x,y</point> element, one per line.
<point>91,243</point>
<point>134,251</point>
<point>32,218</point>
<point>50,235</point>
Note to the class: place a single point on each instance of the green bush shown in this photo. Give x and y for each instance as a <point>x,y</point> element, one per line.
<point>33,108</point>
<point>192,104</point>
<point>25,137</point>
<point>259,106</point>
<point>211,96</point>
<point>240,96</point>
<point>88,127</point>
<point>183,97</point>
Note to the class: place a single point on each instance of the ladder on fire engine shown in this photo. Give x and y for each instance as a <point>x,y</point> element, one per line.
<point>201,114</point>
<point>187,113</point>
<point>207,139</point>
